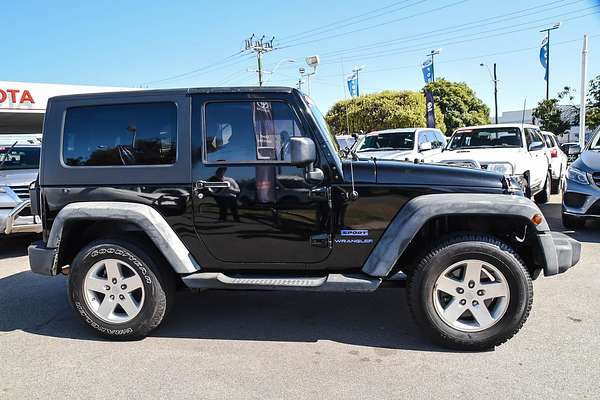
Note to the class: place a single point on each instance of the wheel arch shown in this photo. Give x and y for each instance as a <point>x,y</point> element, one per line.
<point>80,223</point>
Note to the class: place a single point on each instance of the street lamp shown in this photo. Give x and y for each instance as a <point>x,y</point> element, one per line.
<point>286,60</point>
<point>555,26</point>
<point>313,62</point>
<point>494,77</point>
<point>432,54</point>
<point>356,70</point>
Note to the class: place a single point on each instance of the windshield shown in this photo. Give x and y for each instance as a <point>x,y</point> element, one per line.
<point>486,137</point>
<point>388,141</point>
<point>323,126</point>
<point>595,143</point>
<point>19,157</point>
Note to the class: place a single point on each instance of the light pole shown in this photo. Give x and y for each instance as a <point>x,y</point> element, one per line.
<point>494,77</point>
<point>356,70</point>
<point>432,54</point>
<point>555,26</point>
<point>271,72</point>
<point>313,62</point>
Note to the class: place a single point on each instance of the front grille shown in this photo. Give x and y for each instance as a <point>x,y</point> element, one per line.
<point>594,209</point>
<point>21,191</point>
<point>596,178</point>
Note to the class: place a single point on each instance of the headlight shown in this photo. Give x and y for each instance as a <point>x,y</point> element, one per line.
<point>577,175</point>
<point>503,168</point>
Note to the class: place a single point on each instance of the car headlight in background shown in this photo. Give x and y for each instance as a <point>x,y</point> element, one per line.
<point>577,175</point>
<point>502,168</point>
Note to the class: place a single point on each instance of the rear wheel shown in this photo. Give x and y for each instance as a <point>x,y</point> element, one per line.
<point>556,183</point>
<point>471,293</point>
<point>543,196</point>
<point>118,289</point>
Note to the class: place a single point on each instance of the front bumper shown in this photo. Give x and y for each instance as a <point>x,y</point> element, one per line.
<point>42,260</point>
<point>560,251</point>
<point>581,200</point>
<point>19,220</point>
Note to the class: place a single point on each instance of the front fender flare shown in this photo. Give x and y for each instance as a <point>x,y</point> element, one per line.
<point>411,218</point>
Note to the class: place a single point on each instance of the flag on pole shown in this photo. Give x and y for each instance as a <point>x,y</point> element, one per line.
<point>428,70</point>
<point>352,81</point>
<point>544,56</point>
<point>430,109</point>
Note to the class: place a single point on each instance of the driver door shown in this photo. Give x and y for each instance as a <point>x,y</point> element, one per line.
<point>252,209</point>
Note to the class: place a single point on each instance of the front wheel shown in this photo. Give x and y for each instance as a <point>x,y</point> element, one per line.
<point>471,293</point>
<point>118,289</point>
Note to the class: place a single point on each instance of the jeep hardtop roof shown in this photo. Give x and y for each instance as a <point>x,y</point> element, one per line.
<point>180,91</point>
<point>508,125</point>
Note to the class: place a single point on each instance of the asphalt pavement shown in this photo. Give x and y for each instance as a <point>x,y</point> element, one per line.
<point>292,345</point>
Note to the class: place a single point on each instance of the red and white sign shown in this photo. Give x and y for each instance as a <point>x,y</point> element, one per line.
<point>33,97</point>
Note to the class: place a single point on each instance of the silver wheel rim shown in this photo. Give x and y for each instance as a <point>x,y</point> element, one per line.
<point>471,296</point>
<point>113,291</point>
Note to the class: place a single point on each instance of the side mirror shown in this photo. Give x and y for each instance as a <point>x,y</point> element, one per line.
<point>302,151</point>
<point>574,150</point>
<point>425,146</point>
<point>535,146</point>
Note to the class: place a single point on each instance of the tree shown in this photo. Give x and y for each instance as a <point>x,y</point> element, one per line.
<point>459,104</point>
<point>593,105</point>
<point>378,111</point>
<point>557,118</point>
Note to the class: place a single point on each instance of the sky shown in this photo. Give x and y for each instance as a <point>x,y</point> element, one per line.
<point>163,44</point>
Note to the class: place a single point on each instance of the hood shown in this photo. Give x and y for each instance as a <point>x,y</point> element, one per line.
<point>483,156</point>
<point>588,161</point>
<point>407,173</point>
<point>385,154</point>
<point>17,177</point>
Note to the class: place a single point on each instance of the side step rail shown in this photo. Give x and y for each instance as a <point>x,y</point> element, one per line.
<point>327,283</point>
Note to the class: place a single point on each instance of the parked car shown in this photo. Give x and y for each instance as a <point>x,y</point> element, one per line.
<point>138,193</point>
<point>581,196</point>
<point>401,144</point>
<point>19,162</point>
<point>558,160</point>
<point>346,141</point>
<point>516,150</point>
<point>571,156</point>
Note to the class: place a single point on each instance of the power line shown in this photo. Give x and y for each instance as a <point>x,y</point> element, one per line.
<point>460,27</point>
<point>377,25</point>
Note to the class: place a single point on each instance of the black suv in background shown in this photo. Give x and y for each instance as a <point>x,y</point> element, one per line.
<point>143,193</point>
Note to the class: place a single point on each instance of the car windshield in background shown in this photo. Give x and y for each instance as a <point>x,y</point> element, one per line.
<point>19,157</point>
<point>388,141</point>
<point>486,137</point>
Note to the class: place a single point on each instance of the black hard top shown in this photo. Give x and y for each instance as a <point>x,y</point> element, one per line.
<point>181,91</point>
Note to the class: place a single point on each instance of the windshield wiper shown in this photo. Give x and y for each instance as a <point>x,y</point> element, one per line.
<point>6,154</point>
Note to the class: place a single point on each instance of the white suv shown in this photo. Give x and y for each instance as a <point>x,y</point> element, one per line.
<point>558,161</point>
<point>401,144</point>
<point>511,149</point>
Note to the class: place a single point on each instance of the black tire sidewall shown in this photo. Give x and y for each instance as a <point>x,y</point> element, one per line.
<point>511,268</point>
<point>154,306</point>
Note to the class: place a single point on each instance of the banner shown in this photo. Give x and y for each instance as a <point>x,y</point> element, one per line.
<point>352,81</point>
<point>544,56</point>
<point>428,70</point>
<point>430,107</point>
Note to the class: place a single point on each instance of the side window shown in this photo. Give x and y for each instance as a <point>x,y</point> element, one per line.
<point>423,137</point>
<point>241,132</point>
<point>120,134</point>
<point>537,136</point>
<point>528,137</point>
<point>549,142</point>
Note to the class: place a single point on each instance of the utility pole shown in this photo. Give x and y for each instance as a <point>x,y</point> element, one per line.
<point>259,47</point>
<point>432,54</point>
<point>494,77</point>
<point>584,57</point>
<point>555,26</point>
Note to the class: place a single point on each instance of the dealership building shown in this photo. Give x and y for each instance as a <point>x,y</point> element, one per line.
<point>23,104</point>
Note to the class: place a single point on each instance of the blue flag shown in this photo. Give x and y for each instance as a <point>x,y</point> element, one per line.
<point>544,56</point>
<point>352,81</point>
<point>428,70</point>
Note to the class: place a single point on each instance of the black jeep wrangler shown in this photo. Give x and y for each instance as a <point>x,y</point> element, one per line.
<point>143,193</point>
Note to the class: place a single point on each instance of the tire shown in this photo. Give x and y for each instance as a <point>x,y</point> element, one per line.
<point>134,310</point>
<point>543,196</point>
<point>571,222</point>
<point>509,312</point>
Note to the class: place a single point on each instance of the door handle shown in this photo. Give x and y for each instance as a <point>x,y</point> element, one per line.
<point>199,185</point>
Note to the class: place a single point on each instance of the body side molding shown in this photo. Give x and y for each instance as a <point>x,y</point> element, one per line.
<point>144,216</point>
<point>407,223</point>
